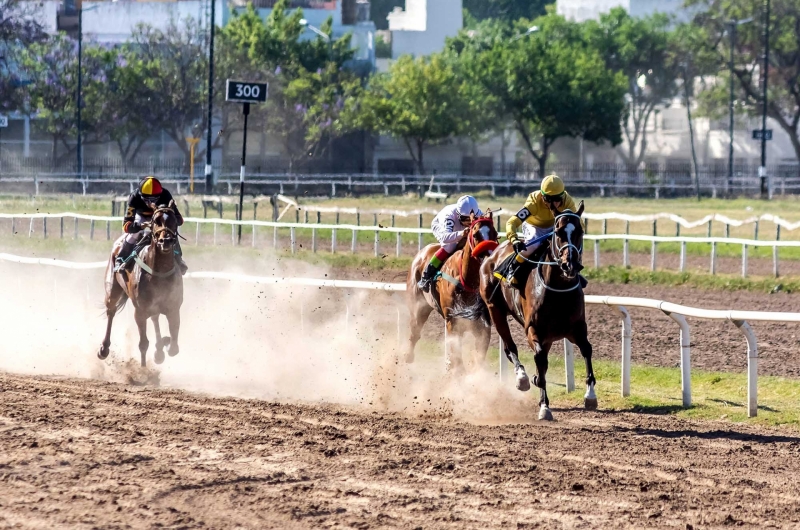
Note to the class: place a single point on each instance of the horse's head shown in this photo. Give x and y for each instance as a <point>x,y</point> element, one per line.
<point>482,235</point>
<point>567,243</point>
<point>165,228</point>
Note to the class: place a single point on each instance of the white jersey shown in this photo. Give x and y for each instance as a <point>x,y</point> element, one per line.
<point>447,227</point>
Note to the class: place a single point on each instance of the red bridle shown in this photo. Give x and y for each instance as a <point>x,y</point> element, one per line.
<point>484,247</point>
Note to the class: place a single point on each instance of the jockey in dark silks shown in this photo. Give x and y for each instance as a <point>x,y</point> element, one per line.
<point>142,203</point>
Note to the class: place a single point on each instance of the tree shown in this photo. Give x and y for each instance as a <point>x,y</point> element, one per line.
<point>18,31</point>
<point>640,49</point>
<point>419,101</point>
<point>165,73</point>
<point>710,26</point>
<point>506,10</point>
<point>52,67</point>
<point>308,79</point>
<point>552,85</point>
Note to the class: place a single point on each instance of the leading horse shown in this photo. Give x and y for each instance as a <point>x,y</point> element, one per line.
<point>455,294</point>
<point>549,305</point>
<point>154,285</point>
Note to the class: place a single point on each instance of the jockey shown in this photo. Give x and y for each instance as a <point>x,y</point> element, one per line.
<point>141,205</point>
<point>449,227</point>
<point>538,213</point>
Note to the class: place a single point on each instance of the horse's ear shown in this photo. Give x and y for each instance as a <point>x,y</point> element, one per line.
<point>471,217</point>
<point>580,209</point>
<point>489,213</point>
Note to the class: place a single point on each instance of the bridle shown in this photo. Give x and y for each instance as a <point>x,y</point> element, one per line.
<point>484,247</point>
<point>555,250</point>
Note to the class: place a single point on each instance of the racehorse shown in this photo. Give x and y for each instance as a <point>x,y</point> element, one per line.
<point>549,305</point>
<point>154,285</point>
<point>455,294</point>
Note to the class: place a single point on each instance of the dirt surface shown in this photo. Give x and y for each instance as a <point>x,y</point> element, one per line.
<point>85,454</point>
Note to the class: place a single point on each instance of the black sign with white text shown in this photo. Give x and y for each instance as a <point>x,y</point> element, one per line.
<point>246,92</point>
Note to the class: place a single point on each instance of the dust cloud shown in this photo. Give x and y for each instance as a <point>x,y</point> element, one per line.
<point>282,343</point>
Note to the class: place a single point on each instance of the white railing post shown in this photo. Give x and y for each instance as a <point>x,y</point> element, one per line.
<point>653,255</point>
<point>377,243</point>
<point>596,254</point>
<point>744,261</point>
<point>333,241</point>
<point>625,379</point>
<point>569,365</point>
<point>713,258</point>
<point>197,234</point>
<point>314,240</point>
<point>752,367</point>
<point>683,256</point>
<point>504,365</point>
<point>399,244</point>
<point>686,363</point>
<point>293,235</point>
<point>626,262</point>
<point>353,242</point>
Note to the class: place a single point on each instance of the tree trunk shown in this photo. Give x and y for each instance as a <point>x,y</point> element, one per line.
<point>420,161</point>
<point>691,134</point>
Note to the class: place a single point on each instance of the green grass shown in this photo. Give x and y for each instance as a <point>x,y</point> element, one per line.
<point>657,390</point>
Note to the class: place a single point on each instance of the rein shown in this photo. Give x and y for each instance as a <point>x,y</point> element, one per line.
<point>473,246</point>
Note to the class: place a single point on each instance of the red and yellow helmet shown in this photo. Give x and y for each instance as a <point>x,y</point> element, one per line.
<point>150,187</point>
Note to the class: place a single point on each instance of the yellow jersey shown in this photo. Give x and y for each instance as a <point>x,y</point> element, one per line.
<point>536,212</point>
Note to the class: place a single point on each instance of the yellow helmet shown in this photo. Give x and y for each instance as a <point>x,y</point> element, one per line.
<point>552,186</point>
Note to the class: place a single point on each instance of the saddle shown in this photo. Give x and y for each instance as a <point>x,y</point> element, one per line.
<point>525,268</point>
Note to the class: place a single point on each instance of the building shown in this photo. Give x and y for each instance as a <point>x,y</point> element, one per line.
<point>580,10</point>
<point>421,29</point>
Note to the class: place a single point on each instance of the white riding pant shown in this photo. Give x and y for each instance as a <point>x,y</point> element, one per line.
<point>134,238</point>
<point>530,233</point>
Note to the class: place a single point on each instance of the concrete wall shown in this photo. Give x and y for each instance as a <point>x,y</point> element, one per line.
<point>581,10</point>
<point>423,27</point>
<point>115,21</point>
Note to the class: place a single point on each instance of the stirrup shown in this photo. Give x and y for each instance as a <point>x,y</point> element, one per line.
<point>424,284</point>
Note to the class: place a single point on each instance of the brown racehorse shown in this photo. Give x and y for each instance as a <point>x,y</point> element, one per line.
<point>455,295</point>
<point>154,285</point>
<point>549,305</point>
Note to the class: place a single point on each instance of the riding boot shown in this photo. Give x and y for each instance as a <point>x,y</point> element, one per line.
<point>124,253</point>
<point>179,259</point>
<point>428,275</point>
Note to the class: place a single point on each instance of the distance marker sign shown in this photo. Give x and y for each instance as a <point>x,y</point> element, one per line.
<point>246,92</point>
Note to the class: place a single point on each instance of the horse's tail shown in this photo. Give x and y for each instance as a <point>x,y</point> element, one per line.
<point>475,311</point>
<point>121,303</point>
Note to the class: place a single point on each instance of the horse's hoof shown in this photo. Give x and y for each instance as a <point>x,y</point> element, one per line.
<point>159,356</point>
<point>545,414</point>
<point>173,350</point>
<point>103,353</point>
<point>408,359</point>
<point>165,341</point>
<point>523,381</point>
<point>590,403</point>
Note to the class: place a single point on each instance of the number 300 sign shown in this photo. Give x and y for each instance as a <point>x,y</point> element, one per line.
<point>245,92</point>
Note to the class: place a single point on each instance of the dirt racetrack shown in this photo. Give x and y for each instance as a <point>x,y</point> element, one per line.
<point>88,454</point>
<point>325,430</point>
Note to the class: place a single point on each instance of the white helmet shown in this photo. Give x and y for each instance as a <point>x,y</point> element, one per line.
<point>466,205</point>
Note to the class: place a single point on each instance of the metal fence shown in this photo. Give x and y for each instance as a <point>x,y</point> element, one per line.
<point>271,175</point>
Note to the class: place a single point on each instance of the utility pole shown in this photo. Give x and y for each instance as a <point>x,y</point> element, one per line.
<point>209,170</point>
<point>80,91</point>
<point>730,149</point>
<point>762,171</point>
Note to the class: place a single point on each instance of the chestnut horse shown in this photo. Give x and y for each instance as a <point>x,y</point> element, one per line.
<point>154,285</point>
<point>455,294</point>
<point>549,305</point>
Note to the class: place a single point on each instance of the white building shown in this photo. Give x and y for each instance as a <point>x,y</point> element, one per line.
<point>580,10</point>
<point>421,29</point>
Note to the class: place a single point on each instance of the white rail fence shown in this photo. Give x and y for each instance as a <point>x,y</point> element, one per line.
<point>47,228</point>
<point>677,313</point>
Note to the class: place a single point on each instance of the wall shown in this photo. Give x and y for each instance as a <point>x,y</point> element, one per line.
<point>581,10</point>
<point>424,26</point>
<point>115,21</point>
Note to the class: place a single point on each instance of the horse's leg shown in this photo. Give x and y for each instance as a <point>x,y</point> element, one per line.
<point>453,360</point>
<point>540,352</point>
<point>159,355</point>
<point>113,298</point>
<point>500,320</point>
<point>580,333</point>
<point>420,311</point>
<point>483,337</point>
<point>141,322</point>
<point>174,320</point>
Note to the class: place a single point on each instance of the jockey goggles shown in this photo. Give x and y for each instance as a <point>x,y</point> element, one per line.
<point>553,198</point>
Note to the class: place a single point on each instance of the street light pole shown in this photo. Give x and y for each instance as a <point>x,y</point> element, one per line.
<point>80,90</point>
<point>730,149</point>
<point>762,171</point>
<point>209,170</point>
